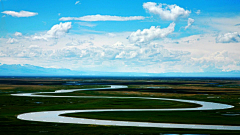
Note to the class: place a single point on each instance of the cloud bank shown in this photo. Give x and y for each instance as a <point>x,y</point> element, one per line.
<point>166,12</point>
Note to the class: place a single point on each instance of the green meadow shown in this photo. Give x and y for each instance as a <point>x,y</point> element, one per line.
<point>220,91</point>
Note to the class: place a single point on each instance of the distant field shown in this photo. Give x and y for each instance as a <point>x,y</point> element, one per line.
<point>204,89</point>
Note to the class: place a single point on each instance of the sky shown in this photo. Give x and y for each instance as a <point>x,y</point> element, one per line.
<point>158,36</point>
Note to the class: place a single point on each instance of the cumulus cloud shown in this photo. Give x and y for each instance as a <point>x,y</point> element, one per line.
<point>198,12</point>
<point>12,41</point>
<point>166,12</point>
<point>60,29</point>
<point>77,2</point>
<point>190,22</point>
<point>228,38</point>
<point>56,31</point>
<point>18,34</point>
<point>102,18</point>
<point>20,14</point>
<point>147,35</point>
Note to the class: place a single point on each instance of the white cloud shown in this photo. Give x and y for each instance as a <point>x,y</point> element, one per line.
<point>118,44</point>
<point>221,60</point>
<point>126,55</point>
<point>116,54</point>
<point>20,14</point>
<point>12,41</point>
<point>166,12</point>
<point>60,29</point>
<point>147,35</point>
<point>102,18</point>
<point>18,34</point>
<point>112,35</point>
<point>79,42</point>
<point>228,38</point>
<point>198,12</point>
<point>190,22</point>
<point>151,54</point>
<point>33,46</point>
<point>104,52</point>
<point>56,31</point>
<point>77,2</point>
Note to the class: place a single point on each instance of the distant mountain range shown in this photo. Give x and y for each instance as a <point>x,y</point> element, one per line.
<point>31,70</point>
<point>25,70</point>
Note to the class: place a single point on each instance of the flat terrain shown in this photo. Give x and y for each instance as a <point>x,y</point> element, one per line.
<point>221,90</point>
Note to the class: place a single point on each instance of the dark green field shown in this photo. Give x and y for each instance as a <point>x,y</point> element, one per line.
<point>205,89</point>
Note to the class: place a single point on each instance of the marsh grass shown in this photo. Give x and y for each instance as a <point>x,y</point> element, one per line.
<point>11,106</point>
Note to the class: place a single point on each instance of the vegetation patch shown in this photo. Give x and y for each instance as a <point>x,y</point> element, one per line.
<point>11,106</point>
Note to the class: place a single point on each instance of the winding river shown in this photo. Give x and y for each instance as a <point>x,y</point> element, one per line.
<point>54,116</point>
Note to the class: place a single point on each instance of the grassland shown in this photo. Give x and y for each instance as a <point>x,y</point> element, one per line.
<point>215,90</point>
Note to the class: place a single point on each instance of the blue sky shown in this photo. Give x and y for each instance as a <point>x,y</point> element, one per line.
<point>141,36</point>
<point>48,13</point>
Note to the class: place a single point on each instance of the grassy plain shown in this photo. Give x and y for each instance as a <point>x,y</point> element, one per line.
<point>208,89</point>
